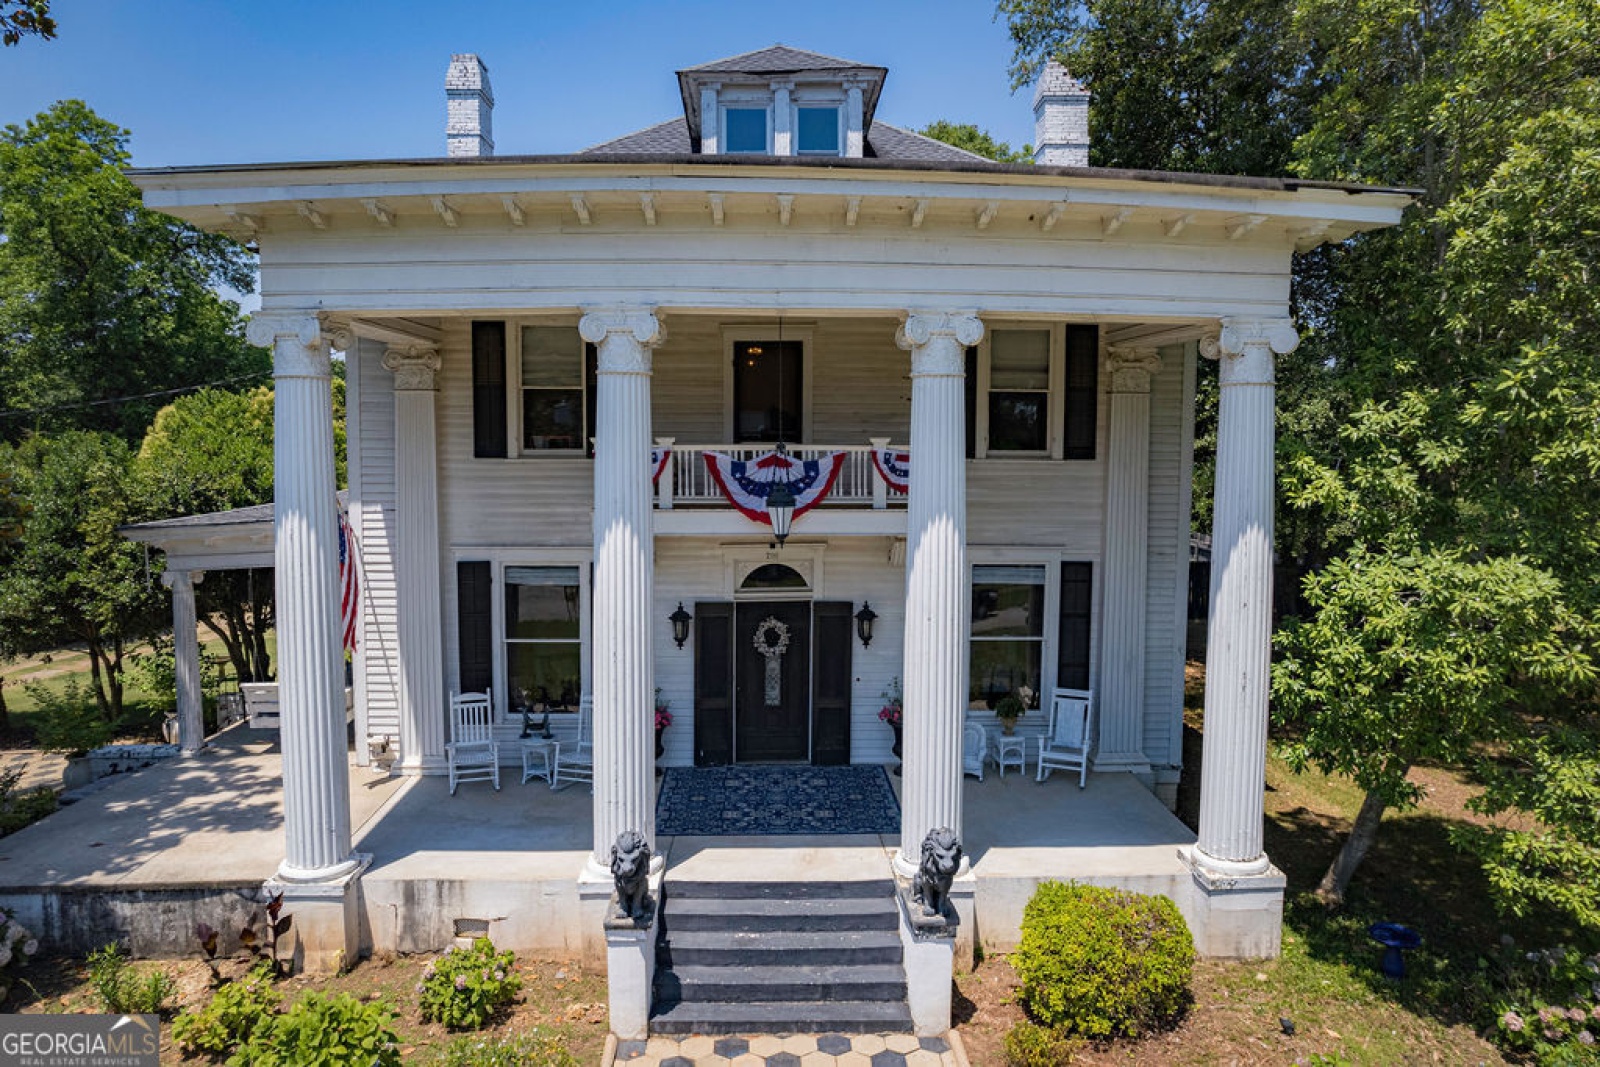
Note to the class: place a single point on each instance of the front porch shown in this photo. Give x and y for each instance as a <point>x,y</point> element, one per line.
<point>142,860</point>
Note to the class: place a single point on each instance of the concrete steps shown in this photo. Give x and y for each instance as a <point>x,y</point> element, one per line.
<point>775,957</point>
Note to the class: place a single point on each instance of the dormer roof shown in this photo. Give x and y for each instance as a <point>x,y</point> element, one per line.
<point>778,61</point>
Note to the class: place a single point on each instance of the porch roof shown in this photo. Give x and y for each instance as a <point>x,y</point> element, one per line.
<point>216,540</point>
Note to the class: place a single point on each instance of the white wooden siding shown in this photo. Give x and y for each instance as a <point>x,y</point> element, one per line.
<point>372,512</point>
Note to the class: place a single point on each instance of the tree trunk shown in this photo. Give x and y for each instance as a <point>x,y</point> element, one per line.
<point>1331,890</point>
<point>5,713</point>
<point>261,615</point>
<point>114,678</point>
<point>236,653</point>
<point>96,677</point>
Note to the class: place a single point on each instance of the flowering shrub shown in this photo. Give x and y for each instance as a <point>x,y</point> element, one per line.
<point>892,711</point>
<point>336,1031</point>
<point>1549,1011</point>
<point>465,987</point>
<point>663,716</point>
<point>230,1017</point>
<point>17,947</point>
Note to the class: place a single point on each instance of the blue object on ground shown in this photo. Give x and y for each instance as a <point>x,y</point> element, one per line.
<point>1395,939</point>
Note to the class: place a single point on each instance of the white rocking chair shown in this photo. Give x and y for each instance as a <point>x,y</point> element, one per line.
<point>473,754</point>
<point>1066,744</point>
<point>575,758</point>
<point>974,749</point>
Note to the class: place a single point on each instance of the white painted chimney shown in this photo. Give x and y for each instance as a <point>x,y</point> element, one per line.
<point>469,116</point>
<point>1060,119</point>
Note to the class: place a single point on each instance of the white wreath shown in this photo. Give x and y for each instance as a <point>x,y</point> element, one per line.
<point>774,648</point>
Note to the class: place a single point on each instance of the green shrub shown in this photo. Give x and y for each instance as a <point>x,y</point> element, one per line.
<point>1031,1045</point>
<point>68,721</point>
<point>1548,1008</point>
<point>17,947</point>
<point>230,1017</point>
<point>123,990</point>
<point>22,809</point>
<point>1103,962</point>
<point>320,1031</point>
<point>465,987</point>
<point>532,1049</point>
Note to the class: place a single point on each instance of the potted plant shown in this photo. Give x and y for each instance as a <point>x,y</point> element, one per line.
<point>1008,710</point>
<point>663,720</point>
<point>69,723</point>
<point>893,713</point>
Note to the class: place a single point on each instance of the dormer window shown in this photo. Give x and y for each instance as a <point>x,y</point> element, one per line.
<point>744,129</point>
<point>817,131</point>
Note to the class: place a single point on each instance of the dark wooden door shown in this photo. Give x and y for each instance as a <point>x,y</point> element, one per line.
<point>830,698</point>
<point>713,684</point>
<point>772,711</point>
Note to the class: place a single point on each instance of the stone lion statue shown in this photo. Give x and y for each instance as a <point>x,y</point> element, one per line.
<point>941,858</point>
<point>630,866</point>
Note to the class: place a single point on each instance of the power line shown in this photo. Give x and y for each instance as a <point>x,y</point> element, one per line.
<point>20,412</point>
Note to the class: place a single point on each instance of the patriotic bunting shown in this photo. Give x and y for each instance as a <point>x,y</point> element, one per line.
<point>746,482</point>
<point>658,463</point>
<point>349,584</point>
<point>894,467</point>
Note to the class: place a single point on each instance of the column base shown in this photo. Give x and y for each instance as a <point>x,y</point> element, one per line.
<point>631,965</point>
<point>427,765</point>
<point>1134,763</point>
<point>325,936</point>
<point>1231,915</point>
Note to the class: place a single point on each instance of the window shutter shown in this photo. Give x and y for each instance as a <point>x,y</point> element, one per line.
<point>591,389</point>
<point>489,390</point>
<point>830,701</point>
<point>1082,392</point>
<point>713,684</point>
<point>971,383</point>
<point>1072,640</point>
<point>474,626</point>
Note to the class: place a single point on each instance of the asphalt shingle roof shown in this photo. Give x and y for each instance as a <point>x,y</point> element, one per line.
<point>778,59</point>
<point>664,138</point>
<point>883,142</point>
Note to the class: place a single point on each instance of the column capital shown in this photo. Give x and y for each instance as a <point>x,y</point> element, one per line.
<point>170,579</point>
<point>1130,369</point>
<point>413,366</point>
<point>299,349</point>
<point>1250,345</point>
<point>640,328</point>
<point>937,340</point>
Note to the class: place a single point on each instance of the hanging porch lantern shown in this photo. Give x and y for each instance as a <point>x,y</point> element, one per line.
<point>680,620</point>
<point>864,620</point>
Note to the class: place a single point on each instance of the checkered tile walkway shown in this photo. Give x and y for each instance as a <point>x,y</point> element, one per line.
<point>806,1050</point>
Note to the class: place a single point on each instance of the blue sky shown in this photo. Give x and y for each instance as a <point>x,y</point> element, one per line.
<point>227,81</point>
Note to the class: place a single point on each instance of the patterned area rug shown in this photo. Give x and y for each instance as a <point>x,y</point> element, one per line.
<point>729,801</point>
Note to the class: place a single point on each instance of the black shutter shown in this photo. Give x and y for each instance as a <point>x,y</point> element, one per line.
<point>474,626</point>
<point>971,383</point>
<point>1072,639</point>
<point>489,390</point>
<point>833,638</point>
<point>591,387</point>
<point>1082,392</point>
<point>713,684</point>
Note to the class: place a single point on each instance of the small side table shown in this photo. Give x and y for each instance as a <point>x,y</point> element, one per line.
<point>539,759</point>
<point>1011,751</point>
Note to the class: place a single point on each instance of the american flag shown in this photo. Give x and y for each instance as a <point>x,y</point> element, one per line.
<point>349,583</point>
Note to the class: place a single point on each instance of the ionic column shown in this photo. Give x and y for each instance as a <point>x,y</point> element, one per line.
<point>1239,635</point>
<point>417,560</point>
<point>186,657</point>
<point>1121,746</point>
<point>316,775</point>
<point>936,666</point>
<point>624,563</point>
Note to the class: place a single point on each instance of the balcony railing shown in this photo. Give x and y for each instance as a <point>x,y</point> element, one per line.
<point>687,481</point>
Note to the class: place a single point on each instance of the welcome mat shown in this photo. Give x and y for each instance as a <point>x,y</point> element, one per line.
<point>729,801</point>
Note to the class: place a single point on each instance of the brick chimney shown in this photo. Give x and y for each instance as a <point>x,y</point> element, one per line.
<point>469,125</point>
<point>1060,119</point>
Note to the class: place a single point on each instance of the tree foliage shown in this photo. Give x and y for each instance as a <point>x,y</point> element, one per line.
<point>969,138</point>
<point>100,299</point>
<point>24,18</point>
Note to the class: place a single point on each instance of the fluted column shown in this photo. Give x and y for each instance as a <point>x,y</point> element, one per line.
<point>936,665</point>
<point>316,774</point>
<point>1239,635</point>
<point>1121,746</point>
<point>624,562</point>
<point>186,658</point>
<point>417,559</point>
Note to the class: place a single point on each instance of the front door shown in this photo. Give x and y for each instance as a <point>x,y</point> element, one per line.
<point>772,687</point>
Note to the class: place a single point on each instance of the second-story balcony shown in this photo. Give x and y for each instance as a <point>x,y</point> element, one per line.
<point>687,480</point>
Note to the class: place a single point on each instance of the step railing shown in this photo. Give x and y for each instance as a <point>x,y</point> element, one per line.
<point>687,480</point>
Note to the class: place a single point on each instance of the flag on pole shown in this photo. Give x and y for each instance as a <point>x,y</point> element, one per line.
<point>349,584</point>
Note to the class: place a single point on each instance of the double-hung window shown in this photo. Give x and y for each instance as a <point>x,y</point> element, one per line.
<point>554,407</point>
<point>543,637</point>
<point>817,131</point>
<point>744,130</point>
<point>1034,392</point>
<point>1008,633</point>
<point>1019,391</point>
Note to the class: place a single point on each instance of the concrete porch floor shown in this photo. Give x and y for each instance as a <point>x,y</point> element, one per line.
<point>192,840</point>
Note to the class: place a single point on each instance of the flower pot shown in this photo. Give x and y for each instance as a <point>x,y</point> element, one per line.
<point>895,748</point>
<point>661,744</point>
<point>1008,726</point>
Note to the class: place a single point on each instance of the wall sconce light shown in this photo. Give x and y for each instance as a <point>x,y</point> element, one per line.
<point>680,620</point>
<point>864,620</point>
